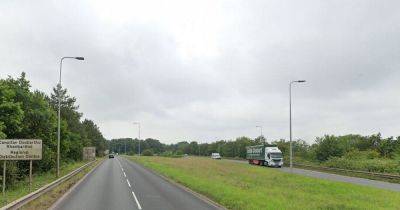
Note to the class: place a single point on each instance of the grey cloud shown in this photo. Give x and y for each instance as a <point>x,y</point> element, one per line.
<point>217,74</point>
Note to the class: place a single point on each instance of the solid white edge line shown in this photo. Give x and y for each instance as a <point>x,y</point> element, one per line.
<point>129,184</point>
<point>137,202</point>
<point>124,174</point>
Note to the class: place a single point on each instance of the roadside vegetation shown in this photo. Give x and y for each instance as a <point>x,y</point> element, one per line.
<point>355,152</point>
<point>242,186</point>
<point>21,187</point>
<point>49,198</point>
<point>32,114</point>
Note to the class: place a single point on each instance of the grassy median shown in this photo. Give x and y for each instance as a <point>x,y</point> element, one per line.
<point>242,186</point>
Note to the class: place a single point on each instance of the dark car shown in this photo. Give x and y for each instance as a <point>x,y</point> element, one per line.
<point>111,156</point>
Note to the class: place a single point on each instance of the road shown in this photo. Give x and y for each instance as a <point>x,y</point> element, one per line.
<point>121,184</point>
<point>336,177</point>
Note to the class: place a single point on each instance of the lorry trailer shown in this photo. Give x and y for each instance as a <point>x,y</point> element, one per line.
<point>264,155</point>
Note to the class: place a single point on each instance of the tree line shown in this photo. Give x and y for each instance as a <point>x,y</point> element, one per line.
<point>31,114</point>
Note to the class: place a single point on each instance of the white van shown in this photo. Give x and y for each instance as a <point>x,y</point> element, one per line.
<point>215,155</point>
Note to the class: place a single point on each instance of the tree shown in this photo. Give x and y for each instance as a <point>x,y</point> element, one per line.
<point>94,136</point>
<point>328,146</point>
<point>11,113</point>
<point>30,114</point>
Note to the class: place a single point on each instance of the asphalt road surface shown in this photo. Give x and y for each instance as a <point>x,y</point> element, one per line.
<point>336,177</point>
<point>121,184</point>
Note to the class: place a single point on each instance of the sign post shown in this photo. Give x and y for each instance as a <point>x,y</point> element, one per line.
<point>20,149</point>
<point>30,175</point>
<point>4,179</point>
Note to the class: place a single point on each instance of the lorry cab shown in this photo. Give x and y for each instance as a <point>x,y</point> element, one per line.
<point>273,157</point>
<point>216,156</point>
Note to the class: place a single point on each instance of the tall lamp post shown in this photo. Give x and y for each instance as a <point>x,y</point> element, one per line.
<point>138,123</point>
<point>59,112</point>
<point>290,120</point>
<point>261,128</point>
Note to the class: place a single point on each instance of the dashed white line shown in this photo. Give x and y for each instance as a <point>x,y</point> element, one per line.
<point>129,184</point>
<point>120,165</point>
<point>137,202</point>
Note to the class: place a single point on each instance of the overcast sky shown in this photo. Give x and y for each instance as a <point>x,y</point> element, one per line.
<point>207,70</point>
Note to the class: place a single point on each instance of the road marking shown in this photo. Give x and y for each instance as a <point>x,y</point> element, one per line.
<point>137,202</point>
<point>120,164</point>
<point>122,169</point>
<point>129,184</point>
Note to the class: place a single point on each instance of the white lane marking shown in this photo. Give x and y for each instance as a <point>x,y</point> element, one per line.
<point>122,169</point>
<point>137,202</point>
<point>120,164</point>
<point>129,184</point>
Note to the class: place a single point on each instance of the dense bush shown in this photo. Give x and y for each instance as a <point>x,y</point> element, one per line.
<point>171,154</point>
<point>147,152</point>
<point>359,155</point>
<point>381,165</point>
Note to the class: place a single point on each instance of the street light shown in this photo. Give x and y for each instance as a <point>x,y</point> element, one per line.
<point>261,133</point>
<point>290,120</point>
<point>138,123</point>
<point>198,144</point>
<point>59,112</point>
<point>260,126</point>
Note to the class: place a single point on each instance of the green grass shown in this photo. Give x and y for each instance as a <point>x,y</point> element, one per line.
<point>242,186</point>
<point>21,188</point>
<point>46,200</point>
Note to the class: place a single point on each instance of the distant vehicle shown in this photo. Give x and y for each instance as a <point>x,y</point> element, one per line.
<point>264,155</point>
<point>111,156</point>
<point>116,153</point>
<point>215,156</point>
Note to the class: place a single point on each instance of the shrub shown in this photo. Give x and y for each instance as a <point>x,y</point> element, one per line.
<point>358,155</point>
<point>381,165</point>
<point>327,147</point>
<point>147,152</point>
<point>170,154</point>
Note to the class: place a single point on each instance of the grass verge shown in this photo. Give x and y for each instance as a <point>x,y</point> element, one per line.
<point>303,164</point>
<point>241,186</point>
<point>21,188</point>
<point>46,200</point>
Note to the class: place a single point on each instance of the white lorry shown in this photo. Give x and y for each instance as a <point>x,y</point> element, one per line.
<point>264,155</point>
<point>215,156</point>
